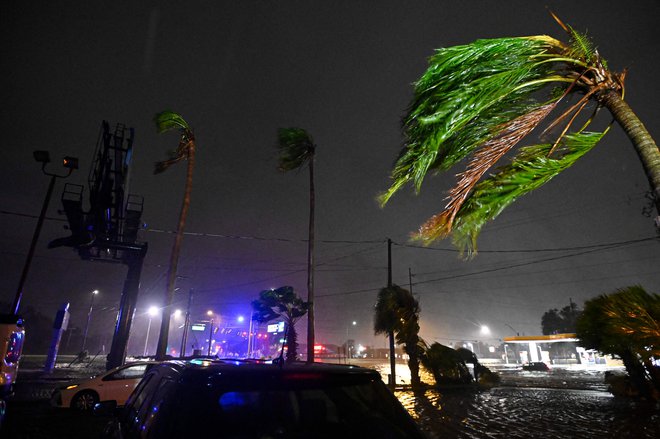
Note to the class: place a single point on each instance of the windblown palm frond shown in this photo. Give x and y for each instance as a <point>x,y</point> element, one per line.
<point>635,314</point>
<point>530,169</point>
<point>296,147</point>
<point>481,100</point>
<point>167,121</point>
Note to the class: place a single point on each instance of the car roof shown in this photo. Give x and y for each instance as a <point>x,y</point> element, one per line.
<point>207,367</point>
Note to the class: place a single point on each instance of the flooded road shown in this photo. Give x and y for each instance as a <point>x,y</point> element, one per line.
<point>555,404</point>
<point>562,403</point>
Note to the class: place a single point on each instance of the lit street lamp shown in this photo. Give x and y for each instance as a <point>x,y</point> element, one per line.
<point>89,317</point>
<point>42,157</point>
<point>153,311</point>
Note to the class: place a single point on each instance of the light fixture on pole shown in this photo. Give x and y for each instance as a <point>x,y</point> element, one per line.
<point>153,311</point>
<point>42,157</point>
<point>89,318</point>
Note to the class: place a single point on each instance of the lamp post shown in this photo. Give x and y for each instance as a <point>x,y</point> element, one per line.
<point>89,318</point>
<point>152,312</point>
<point>42,157</point>
<point>210,314</point>
<point>510,327</point>
<point>249,347</point>
<point>348,347</point>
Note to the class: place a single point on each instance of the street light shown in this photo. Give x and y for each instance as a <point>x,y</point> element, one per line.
<point>42,157</point>
<point>348,348</point>
<point>485,330</point>
<point>153,311</point>
<point>89,317</point>
<point>210,314</point>
<point>250,338</point>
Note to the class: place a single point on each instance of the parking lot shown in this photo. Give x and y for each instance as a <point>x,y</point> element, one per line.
<point>29,414</point>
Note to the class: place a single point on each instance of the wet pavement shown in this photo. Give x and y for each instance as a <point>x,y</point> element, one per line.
<point>557,404</point>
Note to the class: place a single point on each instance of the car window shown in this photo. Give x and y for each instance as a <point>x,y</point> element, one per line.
<point>138,401</point>
<point>127,373</point>
<point>165,386</point>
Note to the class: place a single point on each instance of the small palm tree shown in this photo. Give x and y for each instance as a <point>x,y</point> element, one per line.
<point>285,304</point>
<point>167,121</point>
<point>397,315</point>
<point>296,149</point>
<point>385,322</point>
<point>626,324</point>
<point>483,98</point>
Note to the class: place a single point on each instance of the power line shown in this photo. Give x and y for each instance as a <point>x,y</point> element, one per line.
<point>540,250</point>
<point>369,241</point>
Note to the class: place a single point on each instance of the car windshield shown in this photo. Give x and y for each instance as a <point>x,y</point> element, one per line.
<point>128,373</point>
<point>293,409</point>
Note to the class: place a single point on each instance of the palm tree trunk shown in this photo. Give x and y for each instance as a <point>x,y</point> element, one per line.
<point>636,374</point>
<point>310,266</point>
<point>161,349</point>
<point>646,148</point>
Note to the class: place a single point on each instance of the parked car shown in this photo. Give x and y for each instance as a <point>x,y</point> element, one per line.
<point>536,366</point>
<point>114,385</point>
<point>12,335</point>
<point>240,399</point>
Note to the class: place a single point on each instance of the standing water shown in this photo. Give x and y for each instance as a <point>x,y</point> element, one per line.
<point>560,403</point>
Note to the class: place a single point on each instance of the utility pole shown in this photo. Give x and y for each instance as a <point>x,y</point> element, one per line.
<point>392,380</point>
<point>42,157</point>
<point>410,279</point>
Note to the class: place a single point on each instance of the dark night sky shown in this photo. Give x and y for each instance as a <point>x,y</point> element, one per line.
<point>342,70</point>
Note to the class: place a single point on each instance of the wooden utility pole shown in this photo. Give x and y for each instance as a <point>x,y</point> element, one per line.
<point>392,380</point>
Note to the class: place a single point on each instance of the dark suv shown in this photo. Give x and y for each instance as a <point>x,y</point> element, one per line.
<point>244,399</point>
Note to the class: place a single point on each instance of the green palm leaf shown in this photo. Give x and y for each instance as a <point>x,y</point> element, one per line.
<point>168,120</point>
<point>530,169</point>
<point>465,94</point>
<point>481,100</point>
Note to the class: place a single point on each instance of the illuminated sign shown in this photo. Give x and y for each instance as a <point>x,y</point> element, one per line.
<point>276,327</point>
<point>198,327</point>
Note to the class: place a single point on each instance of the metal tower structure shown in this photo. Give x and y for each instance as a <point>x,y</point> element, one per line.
<point>107,231</point>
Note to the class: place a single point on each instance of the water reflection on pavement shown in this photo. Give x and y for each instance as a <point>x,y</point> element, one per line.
<point>559,404</point>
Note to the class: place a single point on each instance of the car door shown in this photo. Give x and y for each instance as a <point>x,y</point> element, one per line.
<point>118,385</point>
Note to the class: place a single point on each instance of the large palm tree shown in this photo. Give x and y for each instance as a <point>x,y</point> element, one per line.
<point>167,121</point>
<point>285,304</point>
<point>482,99</point>
<point>296,149</point>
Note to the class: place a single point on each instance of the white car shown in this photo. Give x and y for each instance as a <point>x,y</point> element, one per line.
<point>113,385</point>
